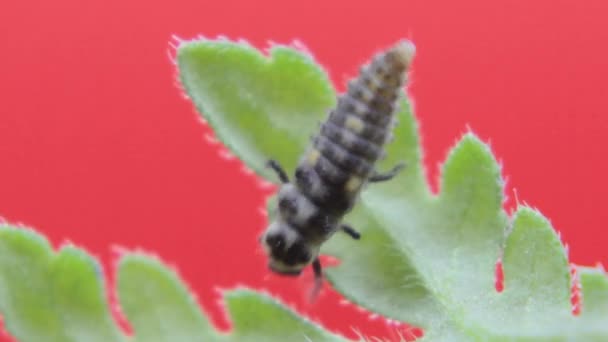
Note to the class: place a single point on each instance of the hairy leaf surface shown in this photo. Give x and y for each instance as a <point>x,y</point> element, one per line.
<point>60,296</point>
<point>426,259</point>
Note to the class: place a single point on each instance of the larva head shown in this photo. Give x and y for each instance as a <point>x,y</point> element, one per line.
<point>288,252</point>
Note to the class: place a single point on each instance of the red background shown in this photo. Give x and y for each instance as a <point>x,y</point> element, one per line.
<point>98,147</point>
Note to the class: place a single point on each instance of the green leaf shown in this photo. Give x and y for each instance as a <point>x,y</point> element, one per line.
<point>47,296</point>
<point>424,259</point>
<point>536,271</point>
<point>60,297</point>
<point>258,317</point>
<point>156,304</point>
<point>161,309</point>
<point>257,105</point>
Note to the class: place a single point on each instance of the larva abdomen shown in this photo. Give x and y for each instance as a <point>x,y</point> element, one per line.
<point>340,160</point>
<point>343,154</point>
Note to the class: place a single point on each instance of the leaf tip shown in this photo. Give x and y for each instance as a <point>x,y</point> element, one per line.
<point>471,169</point>
<point>23,235</point>
<point>528,216</point>
<point>470,148</point>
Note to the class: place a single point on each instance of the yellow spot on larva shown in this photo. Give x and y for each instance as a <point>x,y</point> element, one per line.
<point>354,124</point>
<point>374,83</point>
<point>353,184</point>
<point>313,156</point>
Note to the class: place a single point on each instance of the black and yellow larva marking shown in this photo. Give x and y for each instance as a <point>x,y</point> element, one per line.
<point>339,162</point>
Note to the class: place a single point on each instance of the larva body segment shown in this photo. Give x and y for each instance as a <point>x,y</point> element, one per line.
<point>339,162</point>
<point>343,155</point>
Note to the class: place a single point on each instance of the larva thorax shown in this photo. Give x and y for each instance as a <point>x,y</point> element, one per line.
<point>339,162</point>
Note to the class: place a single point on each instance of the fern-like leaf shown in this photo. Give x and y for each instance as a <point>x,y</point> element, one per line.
<point>424,259</point>
<point>48,296</point>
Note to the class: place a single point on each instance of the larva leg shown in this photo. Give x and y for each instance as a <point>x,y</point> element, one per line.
<point>274,165</point>
<point>318,272</point>
<point>381,177</point>
<point>350,231</point>
<point>316,268</point>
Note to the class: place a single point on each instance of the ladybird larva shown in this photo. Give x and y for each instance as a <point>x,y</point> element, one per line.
<point>339,162</point>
